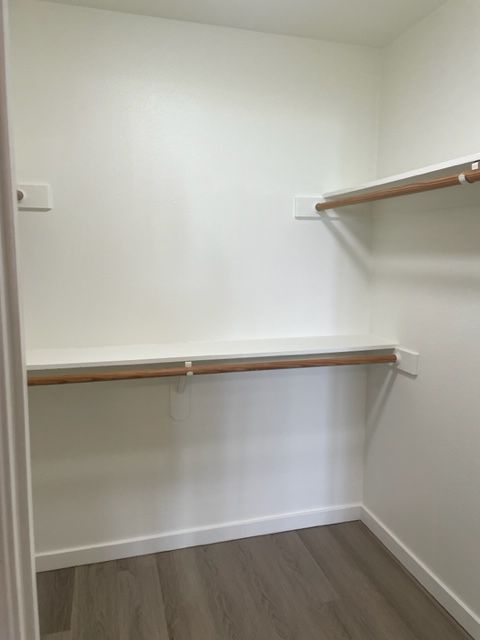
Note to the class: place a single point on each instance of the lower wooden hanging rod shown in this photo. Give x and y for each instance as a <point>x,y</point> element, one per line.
<point>208,369</point>
<point>469,177</point>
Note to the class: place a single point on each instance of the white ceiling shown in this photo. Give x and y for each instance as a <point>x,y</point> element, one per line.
<point>370,22</point>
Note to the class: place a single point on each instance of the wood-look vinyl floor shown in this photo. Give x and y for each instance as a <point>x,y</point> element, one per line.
<point>326,583</point>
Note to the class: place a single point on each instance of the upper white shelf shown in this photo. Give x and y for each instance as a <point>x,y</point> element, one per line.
<point>124,355</point>
<point>458,195</point>
<point>457,165</point>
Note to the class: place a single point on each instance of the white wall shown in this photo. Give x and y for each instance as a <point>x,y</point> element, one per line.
<point>431,90</point>
<point>174,151</point>
<point>423,440</point>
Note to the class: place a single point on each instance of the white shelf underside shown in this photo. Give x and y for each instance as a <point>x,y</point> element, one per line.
<point>127,355</point>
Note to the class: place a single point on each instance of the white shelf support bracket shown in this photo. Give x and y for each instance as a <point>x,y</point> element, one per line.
<point>408,361</point>
<point>180,393</point>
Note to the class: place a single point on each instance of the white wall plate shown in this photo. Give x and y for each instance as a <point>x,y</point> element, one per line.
<point>36,197</point>
<point>304,209</point>
<point>408,361</point>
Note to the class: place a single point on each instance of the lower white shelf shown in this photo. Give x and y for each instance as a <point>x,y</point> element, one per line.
<point>125,355</point>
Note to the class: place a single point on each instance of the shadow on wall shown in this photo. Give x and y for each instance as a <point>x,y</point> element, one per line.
<point>109,463</point>
<point>352,234</point>
<point>429,239</point>
<point>426,284</point>
<point>380,385</point>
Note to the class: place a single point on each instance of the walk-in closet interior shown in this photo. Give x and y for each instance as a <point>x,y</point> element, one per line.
<point>249,244</point>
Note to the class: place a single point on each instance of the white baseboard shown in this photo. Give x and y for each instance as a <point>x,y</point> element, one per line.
<point>432,583</point>
<point>116,549</point>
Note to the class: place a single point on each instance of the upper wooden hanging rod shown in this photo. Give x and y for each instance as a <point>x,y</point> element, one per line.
<point>469,177</point>
<point>208,369</point>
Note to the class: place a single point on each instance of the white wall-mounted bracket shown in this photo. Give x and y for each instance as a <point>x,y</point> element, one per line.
<point>180,393</point>
<point>304,209</point>
<point>34,197</point>
<point>408,361</point>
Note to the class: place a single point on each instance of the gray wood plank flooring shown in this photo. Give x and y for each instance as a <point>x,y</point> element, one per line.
<point>326,583</point>
<point>55,596</point>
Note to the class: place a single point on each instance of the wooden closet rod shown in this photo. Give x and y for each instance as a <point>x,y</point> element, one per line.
<point>469,177</point>
<point>208,369</point>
